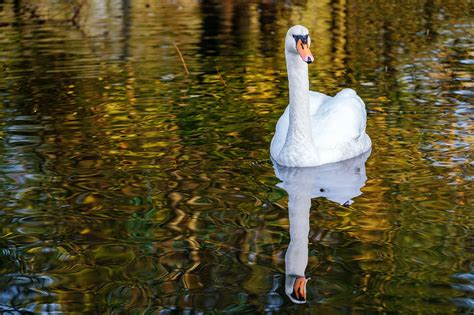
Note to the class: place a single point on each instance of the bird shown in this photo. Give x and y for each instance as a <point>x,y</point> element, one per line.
<point>315,128</point>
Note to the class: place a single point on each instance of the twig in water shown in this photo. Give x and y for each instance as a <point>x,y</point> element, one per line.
<point>77,10</point>
<point>182,59</point>
<point>220,77</point>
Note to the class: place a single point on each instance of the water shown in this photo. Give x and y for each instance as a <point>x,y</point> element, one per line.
<point>129,186</point>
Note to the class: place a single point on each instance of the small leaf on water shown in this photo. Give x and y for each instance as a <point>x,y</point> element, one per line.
<point>85,231</point>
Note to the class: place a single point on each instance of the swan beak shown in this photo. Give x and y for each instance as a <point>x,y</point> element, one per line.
<point>303,50</point>
<point>299,289</point>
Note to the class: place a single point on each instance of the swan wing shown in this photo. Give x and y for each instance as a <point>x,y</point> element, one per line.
<point>339,121</point>
<point>316,99</point>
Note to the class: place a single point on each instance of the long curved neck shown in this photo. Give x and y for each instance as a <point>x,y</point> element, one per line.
<point>299,130</point>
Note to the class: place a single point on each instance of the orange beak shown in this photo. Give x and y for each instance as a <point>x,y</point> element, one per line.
<point>299,288</point>
<point>304,51</point>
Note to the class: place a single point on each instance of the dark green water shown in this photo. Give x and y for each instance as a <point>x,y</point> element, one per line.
<point>128,186</point>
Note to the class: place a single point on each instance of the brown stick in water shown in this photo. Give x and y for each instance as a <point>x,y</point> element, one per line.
<point>220,77</point>
<point>182,59</point>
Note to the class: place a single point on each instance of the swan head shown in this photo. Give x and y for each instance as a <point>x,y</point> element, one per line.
<point>295,288</point>
<point>298,42</point>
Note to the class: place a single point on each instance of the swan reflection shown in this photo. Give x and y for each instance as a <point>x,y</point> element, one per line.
<point>339,182</point>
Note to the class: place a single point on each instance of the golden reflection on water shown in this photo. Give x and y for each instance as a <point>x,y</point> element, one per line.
<point>129,186</point>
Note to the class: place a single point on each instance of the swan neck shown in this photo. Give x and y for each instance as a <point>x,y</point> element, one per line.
<point>297,80</point>
<point>299,130</point>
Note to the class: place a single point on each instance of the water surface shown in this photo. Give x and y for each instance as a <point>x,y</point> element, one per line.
<point>130,186</point>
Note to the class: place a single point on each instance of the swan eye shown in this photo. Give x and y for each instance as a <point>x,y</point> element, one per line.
<point>303,38</point>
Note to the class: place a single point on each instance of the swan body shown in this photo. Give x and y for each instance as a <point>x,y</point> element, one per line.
<point>315,128</point>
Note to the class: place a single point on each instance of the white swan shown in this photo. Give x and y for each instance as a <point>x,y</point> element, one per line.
<point>316,129</point>
<point>339,182</point>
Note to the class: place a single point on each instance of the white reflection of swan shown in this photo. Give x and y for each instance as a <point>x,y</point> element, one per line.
<point>338,182</point>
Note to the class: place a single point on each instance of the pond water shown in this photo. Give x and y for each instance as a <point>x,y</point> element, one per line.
<point>129,186</point>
